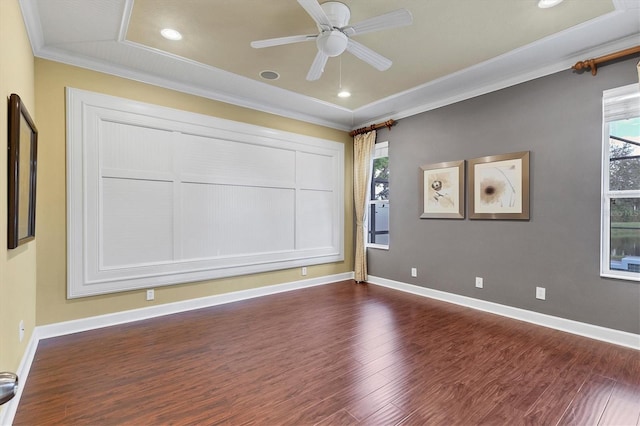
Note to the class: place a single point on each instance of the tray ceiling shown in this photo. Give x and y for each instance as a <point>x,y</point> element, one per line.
<point>454,49</point>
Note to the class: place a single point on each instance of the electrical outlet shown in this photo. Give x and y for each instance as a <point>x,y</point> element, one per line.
<point>304,271</point>
<point>21,330</point>
<point>479,282</point>
<point>414,272</point>
<point>151,294</point>
<point>541,293</point>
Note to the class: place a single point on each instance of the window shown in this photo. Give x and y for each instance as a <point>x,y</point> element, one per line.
<point>378,217</point>
<point>620,234</point>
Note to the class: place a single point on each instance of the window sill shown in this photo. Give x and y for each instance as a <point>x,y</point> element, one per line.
<point>621,276</point>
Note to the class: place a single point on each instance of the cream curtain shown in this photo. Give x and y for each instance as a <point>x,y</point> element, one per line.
<point>362,150</point>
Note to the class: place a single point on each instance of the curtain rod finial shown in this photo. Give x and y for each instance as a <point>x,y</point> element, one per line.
<point>593,63</point>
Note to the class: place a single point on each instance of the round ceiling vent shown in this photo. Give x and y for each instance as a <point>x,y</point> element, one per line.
<point>269,75</point>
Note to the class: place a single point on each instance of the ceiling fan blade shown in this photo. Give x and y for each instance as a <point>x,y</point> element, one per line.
<point>397,18</point>
<point>282,40</point>
<point>317,67</point>
<point>374,59</point>
<point>315,11</point>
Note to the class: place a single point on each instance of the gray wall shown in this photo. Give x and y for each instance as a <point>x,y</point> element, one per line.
<point>558,119</point>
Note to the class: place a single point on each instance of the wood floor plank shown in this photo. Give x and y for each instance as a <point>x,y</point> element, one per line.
<point>555,400</point>
<point>623,408</point>
<point>341,418</point>
<point>447,408</point>
<point>364,407</point>
<point>389,414</point>
<point>343,353</point>
<point>590,402</point>
<point>521,391</point>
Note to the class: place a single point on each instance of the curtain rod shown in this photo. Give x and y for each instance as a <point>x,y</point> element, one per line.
<point>362,130</point>
<point>593,63</point>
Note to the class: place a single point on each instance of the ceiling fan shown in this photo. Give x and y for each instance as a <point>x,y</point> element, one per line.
<point>335,34</point>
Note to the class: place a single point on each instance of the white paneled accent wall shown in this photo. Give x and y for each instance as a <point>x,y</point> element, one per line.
<point>158,196</point>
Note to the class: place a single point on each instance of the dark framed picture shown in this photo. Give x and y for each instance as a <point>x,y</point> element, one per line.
<point>22,161</point>
<point>499,187</point>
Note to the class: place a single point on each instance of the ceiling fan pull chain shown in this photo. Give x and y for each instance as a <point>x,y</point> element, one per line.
<point>340,67</point>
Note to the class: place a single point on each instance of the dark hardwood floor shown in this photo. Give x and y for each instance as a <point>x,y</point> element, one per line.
<point>339,354</point>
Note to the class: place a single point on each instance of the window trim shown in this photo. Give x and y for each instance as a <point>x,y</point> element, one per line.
<point>617,104</point>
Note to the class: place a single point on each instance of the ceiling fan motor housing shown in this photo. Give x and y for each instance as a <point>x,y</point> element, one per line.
<point>333,42</point>
<point>338,13</point>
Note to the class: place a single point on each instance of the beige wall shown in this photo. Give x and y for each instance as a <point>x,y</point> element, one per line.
<point>52,306</point>
<point>17,266</point>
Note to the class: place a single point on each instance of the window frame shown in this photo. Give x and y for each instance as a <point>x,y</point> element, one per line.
<point>378,147</point>
<point>617,104</point>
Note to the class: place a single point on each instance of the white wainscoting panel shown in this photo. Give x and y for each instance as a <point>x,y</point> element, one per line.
<point>314,216</point>
<point>220,220</point>
<point>158,196</point>
<point>314,171</point>
<point>137,222</point>
<point>228,161</point>
<point>135,148</point>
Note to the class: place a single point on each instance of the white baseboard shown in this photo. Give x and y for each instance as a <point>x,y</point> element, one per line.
<point>10,408</point>
<point>608,335</point>
<point>68,327</point>
<point>92,323</point>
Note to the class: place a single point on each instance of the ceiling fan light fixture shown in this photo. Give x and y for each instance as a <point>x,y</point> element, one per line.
<point>545,4</point>
<point>332,43</point>
<point>171,34</point>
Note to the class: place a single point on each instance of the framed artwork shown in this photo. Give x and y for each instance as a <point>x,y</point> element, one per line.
<point>22,158</point>
<point>442,187</point>
<point>499,187</point>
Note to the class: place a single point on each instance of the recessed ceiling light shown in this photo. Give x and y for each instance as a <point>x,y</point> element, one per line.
<point>269,75</point>
<point>545,4</point>
<point>344,94</point>
<point>171,34</point>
